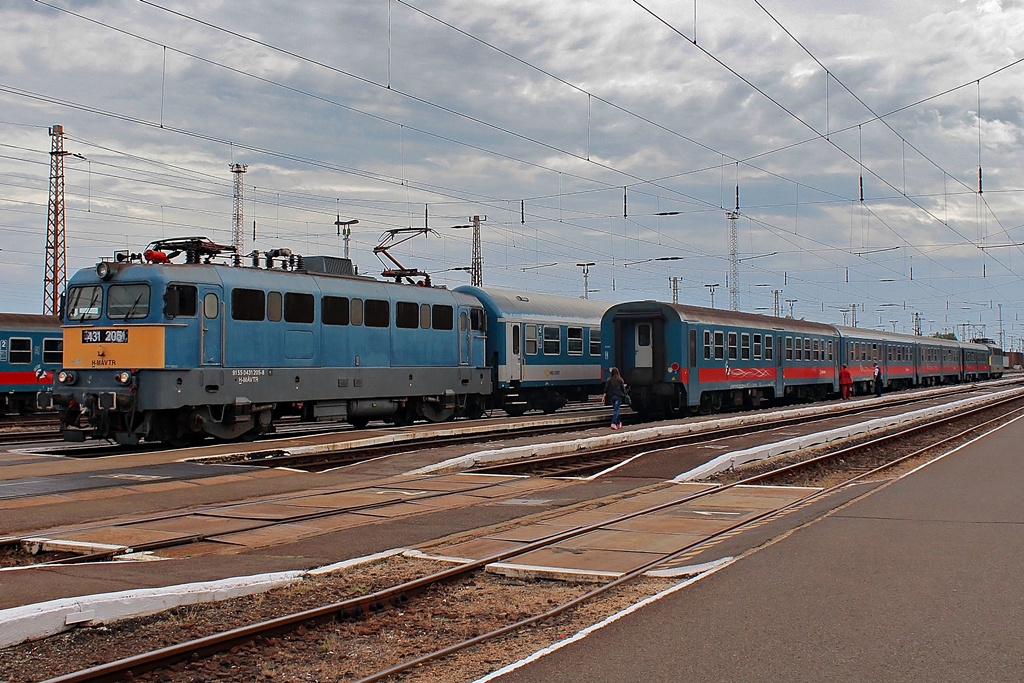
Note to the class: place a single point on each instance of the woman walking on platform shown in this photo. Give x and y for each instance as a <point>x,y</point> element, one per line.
<point>614,392</point>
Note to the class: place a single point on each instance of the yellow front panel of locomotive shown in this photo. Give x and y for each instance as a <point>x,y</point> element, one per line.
<point>114,347</point>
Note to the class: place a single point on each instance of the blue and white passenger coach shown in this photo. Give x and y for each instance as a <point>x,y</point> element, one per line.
<point>30,352</point>
<point>678,358</point>
<point>171,352</point>
<point>544,349</point>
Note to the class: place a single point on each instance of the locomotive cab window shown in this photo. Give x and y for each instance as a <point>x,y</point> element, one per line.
<point>126,302</point>
<point>180,301</point>
<point>247,304</point>
<point>477,320</point>
<point>574,341</point>
<point>53,351</point>
<point>83,303</point>
<point>552,340</point>
<point>20,351</point>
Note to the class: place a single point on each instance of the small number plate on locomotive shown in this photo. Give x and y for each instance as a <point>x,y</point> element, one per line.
<point>104,336</point>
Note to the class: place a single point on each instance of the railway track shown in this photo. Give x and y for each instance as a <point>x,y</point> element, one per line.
<point>863,459</point>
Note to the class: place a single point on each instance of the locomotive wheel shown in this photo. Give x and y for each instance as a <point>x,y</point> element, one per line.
<point>359,422</point>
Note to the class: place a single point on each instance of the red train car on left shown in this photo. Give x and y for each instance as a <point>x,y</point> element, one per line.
<point>31,350</point>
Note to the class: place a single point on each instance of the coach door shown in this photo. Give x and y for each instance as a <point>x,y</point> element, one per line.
<point>643,351</point>
<point>514,357</point>
<point>211,334</point>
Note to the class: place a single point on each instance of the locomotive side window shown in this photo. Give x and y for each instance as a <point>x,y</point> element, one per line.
<point>769,350</point>
<point>275,306</point>
<point>425,316</point>
<point>531,340</point>
<point>298,308</point>
<point>552,340</point>
<point>407,315</point>
<point>247,304</point>
<point>595,341</point>
<point>732,346</point>
<point>334,310</point>
<point>757,347</point>
<point>127,301</point>
<point>84,303</point>
<point>378,313</point>
<point>707,344</point>
<point>719,345</point>
<point>477,319</point>
<point>574,341</point>
<point>745,346</point>
<point>444,317</point>
<point>357,312</point>
<point>21,351</point>
<point>53,351</point>
<point>180,300</point>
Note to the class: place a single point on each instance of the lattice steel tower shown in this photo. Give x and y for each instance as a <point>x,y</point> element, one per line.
<point>476,270</point>
<point>55,275</point>
<point>238,239</point>
<point>734,257</point>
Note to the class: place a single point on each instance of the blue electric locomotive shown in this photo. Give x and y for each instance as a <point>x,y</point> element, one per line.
<point>543,349</point>
<point>173,352</point>
<point>31,348</point>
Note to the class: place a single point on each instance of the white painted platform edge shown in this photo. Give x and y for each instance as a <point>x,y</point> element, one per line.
<point>30,622</point>
<point>727,461</point>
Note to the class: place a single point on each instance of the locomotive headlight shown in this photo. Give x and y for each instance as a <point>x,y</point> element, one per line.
<point>123,377</point>
<point>104,271</point>
<point>66,377</point>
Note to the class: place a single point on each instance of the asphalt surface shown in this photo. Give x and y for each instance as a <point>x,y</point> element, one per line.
<point>919,580</point>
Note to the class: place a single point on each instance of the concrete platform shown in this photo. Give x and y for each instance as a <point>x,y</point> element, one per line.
<point>919,580</point>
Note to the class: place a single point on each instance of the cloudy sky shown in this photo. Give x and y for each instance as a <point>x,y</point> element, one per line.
<point>611,132</point>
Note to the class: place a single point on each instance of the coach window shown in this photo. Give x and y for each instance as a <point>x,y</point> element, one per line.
<point>707,344</point>
<point>84,303</point>
<point>357,312</point>
<point>127,301</point>
<point>574,341</point>
<point>53,351</point>
<point>807,348</point>
<point>180,300</point>
<point>275,306</point>
<point>757,347</point>
<point>21,351</point>
<point>830,357</point>
<point>552,340</point>
<point>745,346</point>
<point>247,304</point>
<point>769,350</point>
<point>874,352</point>
<point>789,348</point>
<point>407,315</point>
<point>798,354</point>
<point>595,341</point>
<point>443,317</point>
<point>334,310</point>
<point>732,346</point>
<point>719,345</point>
<point>425,316</point>
<point>531,340</point>
<point>817,349</point>
<point>377,313</point>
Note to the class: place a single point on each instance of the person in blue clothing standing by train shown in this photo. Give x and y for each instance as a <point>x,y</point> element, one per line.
<point>876,374</point>
<point>614,393</point>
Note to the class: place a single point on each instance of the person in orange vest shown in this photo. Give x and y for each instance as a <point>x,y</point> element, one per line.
<point>845,382</point>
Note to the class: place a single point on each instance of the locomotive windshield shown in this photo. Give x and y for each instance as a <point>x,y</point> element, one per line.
<point>125,302</point>
<point>84,302</point>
